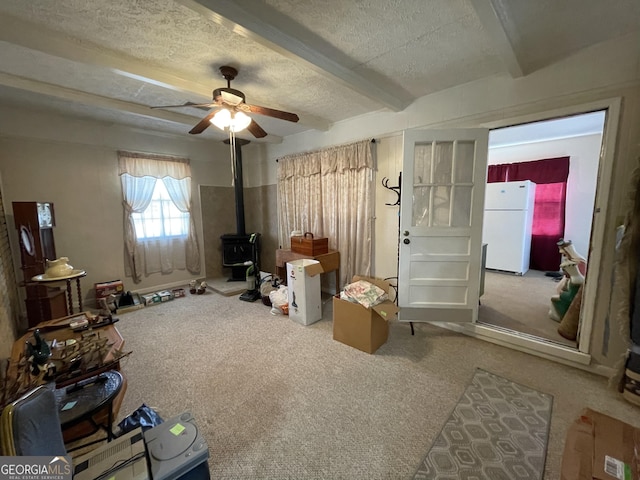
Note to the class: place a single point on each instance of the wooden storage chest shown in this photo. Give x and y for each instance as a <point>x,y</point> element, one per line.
<point>307,244</point>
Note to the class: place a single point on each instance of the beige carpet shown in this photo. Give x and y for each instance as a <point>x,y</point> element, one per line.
<point>277,400</point>
<point>521,303</point>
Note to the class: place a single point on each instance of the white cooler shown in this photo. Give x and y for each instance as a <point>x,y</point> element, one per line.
<point>303,288</point>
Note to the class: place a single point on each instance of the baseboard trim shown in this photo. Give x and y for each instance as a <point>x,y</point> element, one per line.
<point>557,353</point>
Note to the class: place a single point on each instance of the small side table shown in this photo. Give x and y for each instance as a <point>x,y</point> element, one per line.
<point>81,404</point>
<point>330,263</point>
<point>75,274</point>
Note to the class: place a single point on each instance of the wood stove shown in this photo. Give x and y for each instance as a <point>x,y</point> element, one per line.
<point>238,249</point>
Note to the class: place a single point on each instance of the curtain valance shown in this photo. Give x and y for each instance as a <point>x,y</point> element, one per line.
<point>149,165</point>
<point>353,156</point>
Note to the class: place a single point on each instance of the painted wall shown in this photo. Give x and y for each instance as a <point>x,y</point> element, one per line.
<point>581,184</point>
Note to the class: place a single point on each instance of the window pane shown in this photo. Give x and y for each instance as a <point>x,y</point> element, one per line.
<point>465,152</point>
<point>462,207</point>
<point>137,221</point>
<point>441,206</point>
<point>421,204</point>
<point>161,218</point>
<point>422,164</point>
<point>443,163</point>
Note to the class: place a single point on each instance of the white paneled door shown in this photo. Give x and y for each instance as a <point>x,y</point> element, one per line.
<point>441,208</point>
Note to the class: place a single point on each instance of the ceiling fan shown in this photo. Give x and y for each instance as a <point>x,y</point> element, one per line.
<point>230,109</point>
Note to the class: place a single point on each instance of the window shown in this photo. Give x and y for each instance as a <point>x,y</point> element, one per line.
<point>159,231</point>
<point>161,219</point>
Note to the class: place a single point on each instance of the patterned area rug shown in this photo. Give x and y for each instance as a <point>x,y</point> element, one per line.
<point>498,430</point>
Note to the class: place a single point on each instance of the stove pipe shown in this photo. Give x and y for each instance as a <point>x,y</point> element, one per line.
<point>238,185</point>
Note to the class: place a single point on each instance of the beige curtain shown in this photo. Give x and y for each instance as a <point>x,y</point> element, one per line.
<point>330,194</point>
<point>138,174</point>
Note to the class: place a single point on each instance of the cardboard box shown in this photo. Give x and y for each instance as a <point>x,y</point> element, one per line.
<point>366,329</point>
<point>303,290</point>
<point>165,295</point>
<point>308,245</point>
<point>178,292</point>
<point>150,298</point>
<point>104,289</point>
<point>600,447</point>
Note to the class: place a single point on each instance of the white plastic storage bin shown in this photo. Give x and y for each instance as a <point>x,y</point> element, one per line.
<point>303,286</point>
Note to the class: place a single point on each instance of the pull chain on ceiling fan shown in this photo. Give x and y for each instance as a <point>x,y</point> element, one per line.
<point>231,110</point>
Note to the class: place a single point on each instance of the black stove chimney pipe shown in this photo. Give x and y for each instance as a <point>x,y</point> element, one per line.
<point>238,185</point>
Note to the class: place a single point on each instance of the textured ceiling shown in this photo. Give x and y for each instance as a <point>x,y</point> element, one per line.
<point>324,60</point>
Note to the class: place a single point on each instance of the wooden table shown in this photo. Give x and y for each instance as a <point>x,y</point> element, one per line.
<point>330,263</point>
<point>75,275</point>
<point>59,330</point>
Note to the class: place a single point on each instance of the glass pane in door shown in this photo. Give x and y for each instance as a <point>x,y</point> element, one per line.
<point>463,183</point>
<point>443,163</point>
<point>421,206</point>
<point>463,171</point>
<point>441,206</point>
<point>422,164</point>
<point>461,216</point>
<point>422,173</point>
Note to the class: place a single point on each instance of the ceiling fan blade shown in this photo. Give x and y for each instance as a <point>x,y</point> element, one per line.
<point>189,104</point>
<point>256,130</point>
<point>270,112</point>
<point>202,124</point>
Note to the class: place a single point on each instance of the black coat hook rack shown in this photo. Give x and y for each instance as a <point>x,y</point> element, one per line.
<point>396,189</point>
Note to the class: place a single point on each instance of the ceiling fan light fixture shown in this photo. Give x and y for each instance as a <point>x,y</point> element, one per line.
<point>235,122</point>
<point>221,119</point>
<point>240,121</point>
<point>230,105</point>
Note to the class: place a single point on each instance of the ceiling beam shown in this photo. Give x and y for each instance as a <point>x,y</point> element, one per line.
<point>494,27</point>
<point>266,26</point>
<point>49,42</point>
<point>90,99</point>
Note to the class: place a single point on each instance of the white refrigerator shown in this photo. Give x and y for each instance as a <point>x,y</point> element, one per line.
<point>506,229</point>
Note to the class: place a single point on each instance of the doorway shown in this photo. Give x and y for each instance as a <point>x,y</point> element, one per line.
<point>519,304</point>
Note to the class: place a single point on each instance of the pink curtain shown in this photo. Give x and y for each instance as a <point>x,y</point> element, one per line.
<point>550,176</point>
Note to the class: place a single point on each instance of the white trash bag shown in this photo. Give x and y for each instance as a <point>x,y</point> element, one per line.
<point>279,301</point>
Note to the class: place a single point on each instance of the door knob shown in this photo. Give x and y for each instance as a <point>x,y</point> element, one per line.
<point>406,241</point>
